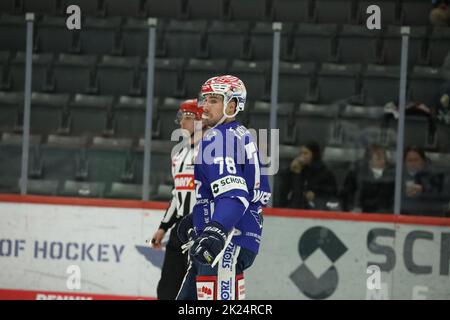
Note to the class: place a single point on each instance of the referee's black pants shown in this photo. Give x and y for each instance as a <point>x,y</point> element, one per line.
<point>174,268</point>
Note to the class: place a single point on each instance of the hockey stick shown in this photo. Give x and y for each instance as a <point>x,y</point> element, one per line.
<point>227,242</point>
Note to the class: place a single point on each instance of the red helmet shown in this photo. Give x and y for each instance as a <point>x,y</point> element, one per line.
<point>190,107</point>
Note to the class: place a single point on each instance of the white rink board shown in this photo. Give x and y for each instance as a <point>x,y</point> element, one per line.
<point>112,265</point>
<point>118,263</point>
<point>269,278</point>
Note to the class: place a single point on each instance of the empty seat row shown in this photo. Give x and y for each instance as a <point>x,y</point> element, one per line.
<point>73,188</point>
<point>89,115</point>
<point>344,125</point>
<point>100,159</point>
<point>78,73</point>
<point>225,40</point>
<point>124,118</point>
<point>306,81</point>
<point>128,75</point>
<point>410,12</point>
<point>80,114</point>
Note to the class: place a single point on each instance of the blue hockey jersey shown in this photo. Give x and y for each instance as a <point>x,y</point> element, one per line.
<point>228,171</point>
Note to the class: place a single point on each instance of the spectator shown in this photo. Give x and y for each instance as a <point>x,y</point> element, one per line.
<point>441,103</point>
<point>422,190</point>
<point>369,186</point>
<point>308,183</point>
<point>440,14</point>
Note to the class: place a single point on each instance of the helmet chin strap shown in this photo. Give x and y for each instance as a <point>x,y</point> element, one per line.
<point>225,116</point>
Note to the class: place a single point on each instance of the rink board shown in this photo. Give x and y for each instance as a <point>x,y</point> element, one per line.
<point>107,244</point>
<point>340,258</point>
<point>60,248</point>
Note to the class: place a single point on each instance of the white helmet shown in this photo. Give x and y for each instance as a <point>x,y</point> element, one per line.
<point>229,87</point>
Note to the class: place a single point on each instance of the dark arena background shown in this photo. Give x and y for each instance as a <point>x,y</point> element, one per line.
<point>89,91</point>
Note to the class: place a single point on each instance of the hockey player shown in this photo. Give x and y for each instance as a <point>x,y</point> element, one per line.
<point>175,262</point>
<point>223,233</point>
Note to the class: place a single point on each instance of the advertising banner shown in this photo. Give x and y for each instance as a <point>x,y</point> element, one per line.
<point>307,258</point>
<point>79,249</point>
<point>63,251</point>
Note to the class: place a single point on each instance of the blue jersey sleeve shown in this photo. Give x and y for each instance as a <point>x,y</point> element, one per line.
<point>228,212</point>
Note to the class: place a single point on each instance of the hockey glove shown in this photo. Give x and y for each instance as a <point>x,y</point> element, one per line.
<point>186,232</point>
<point>209,244</point>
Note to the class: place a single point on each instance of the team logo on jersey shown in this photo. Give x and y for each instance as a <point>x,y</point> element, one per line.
<point>257,214</point>
<point>228,183</point>
<point>184,182</point>
<point>262,196</point>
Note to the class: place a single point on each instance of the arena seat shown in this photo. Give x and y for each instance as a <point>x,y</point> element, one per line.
<point>99,35</point>
<point>130,8</point>
<point>358,44</point>
<point>415,12</point>
<point>12,32</point>
<point>334,11</point>
<point>315,122</point>
<point>10,104</point>
<point>41,6</point>
<point>424,83</point>
<point>129,116</point>
<point>60,154</point>
<point>295,81</point>
<point>226,40</point>
<point>167,77</point>
<point>89,113</point>
<point>206,9</point>
<point>40,73</point>
<point>72,73</point>
<point>117,75</point>
<point>338,81</point>
<point>381,84</point>
<point>254,75</point>
<point>291,10</point>
<point>439,45</point>
<point>185,39</point>
<point>250,10</point>
<point>170,9</point>
<point>53,36</point>
<point>121,190</point>
<point>47,112</point>
<point>392,45</point>
<point>198,71</point>
<point>72,188</point>
<point>315,42</point>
